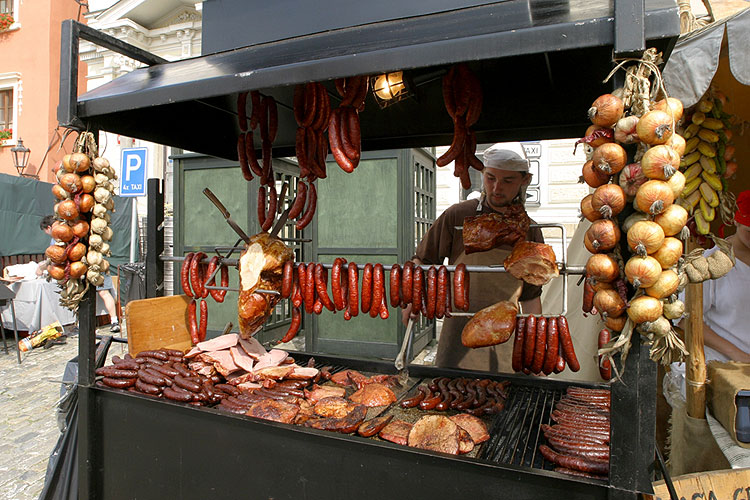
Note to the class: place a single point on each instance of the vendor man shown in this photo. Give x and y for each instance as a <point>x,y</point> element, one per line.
<point>505,179</point>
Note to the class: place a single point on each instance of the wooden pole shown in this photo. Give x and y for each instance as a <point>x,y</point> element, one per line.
<point>695,376</point>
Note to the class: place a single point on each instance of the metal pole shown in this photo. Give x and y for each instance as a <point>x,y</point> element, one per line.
<point>88,424</point>
<point>155,239</point>
<point>133,230</point>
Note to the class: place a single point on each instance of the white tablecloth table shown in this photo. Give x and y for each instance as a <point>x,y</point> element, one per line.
<point>37,304</point>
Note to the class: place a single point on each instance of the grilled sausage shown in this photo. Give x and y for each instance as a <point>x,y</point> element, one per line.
<point>605,366</point>
<point>114,371</point>
<point>395,285</point>
<point>185,274</point>
<point>567,344</point>
<point>119,383</point>
<point>151,377</point>
<point>321,286</point>
<point>442,292</point>
<point>335,140</point>
<point>529,342</point>
<point>539,345</point>
<point>417,295</point>
<point>177,394</point>
<point>571,434</point>
<point>346,121</point>
<point>518,339</point>
<point>299,200</point>
<point>287,280</point>
<point>457,146</point>
<point>445,393</point>
<point>150,389</point>
<point>423,392</point>
<point>431,402</point>
<point>431,292</point>
<point>196,274</point>
<point>338,298</point>
<point>383,307</point>
<point>366,288</point>
<point>353,308</point>
<point>271,214</point>
<point>461,287</point>
<point>294,325</point>
<point>373,426</point>
<point>242,157</point>
<point>577,463</point>
<point>378,289</point>
<point>550,356</point>
<point>312,199</point>
<point>252,158</point>
<point>204,321</point>
<point>588,296</point>
<point>406,283</point>
<point>309,291</point>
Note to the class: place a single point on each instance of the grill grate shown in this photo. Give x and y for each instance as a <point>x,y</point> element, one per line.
<point>515,434</point>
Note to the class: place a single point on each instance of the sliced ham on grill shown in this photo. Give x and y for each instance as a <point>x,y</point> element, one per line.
<point>241,358</point>
<point>373,395</point>
<point>219,343</point>
<point>473,425</point>
<point>333,407</point>
<point>397,431</point>
<point>276,410</point>
<point>465,443</point>
<point>272,358</point>
<point>347,423</point>
<point>273,372</point>
<point>222,361</point>
<point>436,433</point>
<point>253,348</point>
<point>319,392</point>
<point>302,373</point>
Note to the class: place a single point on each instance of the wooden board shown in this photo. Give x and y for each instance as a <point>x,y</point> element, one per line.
<point>158,322</point>
<point>715,485</point>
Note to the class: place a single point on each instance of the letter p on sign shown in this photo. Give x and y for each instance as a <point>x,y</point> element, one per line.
<point>133,172</point>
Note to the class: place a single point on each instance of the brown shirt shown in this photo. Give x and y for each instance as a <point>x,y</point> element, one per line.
<point>444,240</point>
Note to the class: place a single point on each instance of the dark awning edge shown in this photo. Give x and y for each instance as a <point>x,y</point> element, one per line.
<point>362,50</point>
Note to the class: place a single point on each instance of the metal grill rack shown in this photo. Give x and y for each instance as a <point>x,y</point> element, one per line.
<point>516,432</point>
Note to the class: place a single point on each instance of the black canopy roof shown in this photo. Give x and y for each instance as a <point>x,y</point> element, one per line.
<point>541,64</point>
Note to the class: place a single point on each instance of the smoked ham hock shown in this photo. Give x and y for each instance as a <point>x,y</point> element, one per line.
<point>532,262</point>
<point>487,231</point>
<point>491,326</point>
<point>261,266</point>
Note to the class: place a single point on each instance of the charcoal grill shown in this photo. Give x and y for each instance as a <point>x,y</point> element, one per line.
<point>159,449</point>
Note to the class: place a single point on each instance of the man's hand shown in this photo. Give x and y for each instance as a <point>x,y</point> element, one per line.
<point>406,315</point>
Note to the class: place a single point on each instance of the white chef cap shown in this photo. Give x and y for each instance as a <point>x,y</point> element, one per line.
<point>506,156</point>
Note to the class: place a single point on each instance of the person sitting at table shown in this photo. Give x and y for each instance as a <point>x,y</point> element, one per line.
<point>103,290</point>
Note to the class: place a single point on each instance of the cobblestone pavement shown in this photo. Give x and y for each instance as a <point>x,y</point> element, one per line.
<point>28,415</point>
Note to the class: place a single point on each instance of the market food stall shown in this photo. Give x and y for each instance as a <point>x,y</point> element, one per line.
<point>133,445</point>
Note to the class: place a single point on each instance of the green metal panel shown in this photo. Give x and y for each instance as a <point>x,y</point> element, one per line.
<point>205,225</point>
<point>359,210</point>
<point>370,216</point>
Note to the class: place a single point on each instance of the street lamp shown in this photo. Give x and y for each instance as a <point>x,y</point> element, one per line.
<point>21,158</point>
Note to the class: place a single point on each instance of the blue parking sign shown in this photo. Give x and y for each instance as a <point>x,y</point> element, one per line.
<point>133,172</point>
